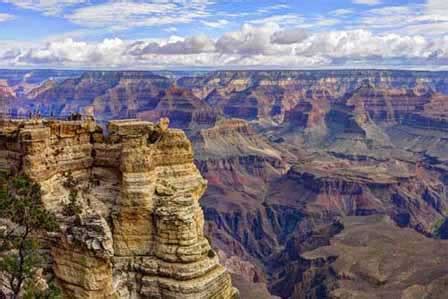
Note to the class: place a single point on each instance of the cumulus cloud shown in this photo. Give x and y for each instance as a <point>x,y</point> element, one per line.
<point>273,36</point>
<point>9,54</point>
<point>289,36</point>
<point>250,40</point>
<point>250,47</point>
<point>191,45</point>
<point>358,44</point>
<point>68,52</point>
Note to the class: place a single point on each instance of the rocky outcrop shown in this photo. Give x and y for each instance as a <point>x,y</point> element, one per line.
<point>184,109</point>
<point>140,230</point>
<point>261,94</point>
<point>109,94</point>
<point>412,197</point>
<point>23,82</point>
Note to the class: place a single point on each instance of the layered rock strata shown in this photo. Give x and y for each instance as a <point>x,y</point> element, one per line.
<point>139,233</point>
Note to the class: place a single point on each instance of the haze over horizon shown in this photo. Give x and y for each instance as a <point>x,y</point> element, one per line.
<point>206,34</point>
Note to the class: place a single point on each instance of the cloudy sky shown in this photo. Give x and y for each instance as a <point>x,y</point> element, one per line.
<point>230,34</point>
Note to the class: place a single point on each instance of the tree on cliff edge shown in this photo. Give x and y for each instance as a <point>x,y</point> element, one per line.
<point>23,219</point>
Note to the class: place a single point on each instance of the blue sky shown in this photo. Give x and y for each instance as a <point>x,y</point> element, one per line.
<point>157,34</point>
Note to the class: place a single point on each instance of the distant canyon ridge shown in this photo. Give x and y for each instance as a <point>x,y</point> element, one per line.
<point>303,168</point>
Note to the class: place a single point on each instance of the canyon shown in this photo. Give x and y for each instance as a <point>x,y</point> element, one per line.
<point>300,166</point>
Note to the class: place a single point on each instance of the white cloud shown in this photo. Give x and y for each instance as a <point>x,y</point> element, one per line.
<point>428,29</point>
<point>282,20</point>
<point>128,14</point>
<point>295,20</point>
<point>68,52</point>
<point>358,44</point>
<point>341,12</point>
<point>405,20</point>
<point>289,36</point>
<point>191,45</point>
<point>437,7</point>
<point>388,17</point>
<point>48,7</point>
<point>216,24</point>
<point>250,40</point>
<point>6,17</point>
<point>367,2</point>
<point>324,22</point>
<point>272,8</point>
<point>253,46</point>
<point>171,29</point>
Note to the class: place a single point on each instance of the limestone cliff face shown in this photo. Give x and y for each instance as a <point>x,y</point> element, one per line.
<point>140,231</point>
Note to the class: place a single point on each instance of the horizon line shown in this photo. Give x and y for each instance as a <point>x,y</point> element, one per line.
<point>222,69</point>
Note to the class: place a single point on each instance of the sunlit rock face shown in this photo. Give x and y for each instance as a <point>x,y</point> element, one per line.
<point>271,94</point>
<point>140,231</point>
<point>301,97</point>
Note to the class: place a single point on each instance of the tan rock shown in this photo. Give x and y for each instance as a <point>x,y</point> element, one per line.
<point>140,232</point>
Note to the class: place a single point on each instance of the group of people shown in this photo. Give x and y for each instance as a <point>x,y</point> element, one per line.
<point>38,115</point>
<point>75,116</point>
<point>34,115</point>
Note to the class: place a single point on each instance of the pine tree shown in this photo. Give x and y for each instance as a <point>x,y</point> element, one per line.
<point>21,206</point>
<point>73,207</point>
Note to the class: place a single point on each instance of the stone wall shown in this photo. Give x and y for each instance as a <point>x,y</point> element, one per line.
<point>140,231</point>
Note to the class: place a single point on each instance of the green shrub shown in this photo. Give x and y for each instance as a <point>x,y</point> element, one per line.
<point>20,259</point>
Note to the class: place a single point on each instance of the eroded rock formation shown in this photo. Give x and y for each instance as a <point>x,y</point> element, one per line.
<point>139,232</point>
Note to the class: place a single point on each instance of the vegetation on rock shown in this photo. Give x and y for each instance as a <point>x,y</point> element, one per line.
<point>439,228</point>
<point>73,208</point>
<point>25,221</point>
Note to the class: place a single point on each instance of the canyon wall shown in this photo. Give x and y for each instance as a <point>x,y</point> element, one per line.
<point>140,230</point>
<point>285,153</point>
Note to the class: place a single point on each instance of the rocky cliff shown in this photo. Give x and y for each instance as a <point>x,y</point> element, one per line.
<point>139,232</point>
<point>250,95</point>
